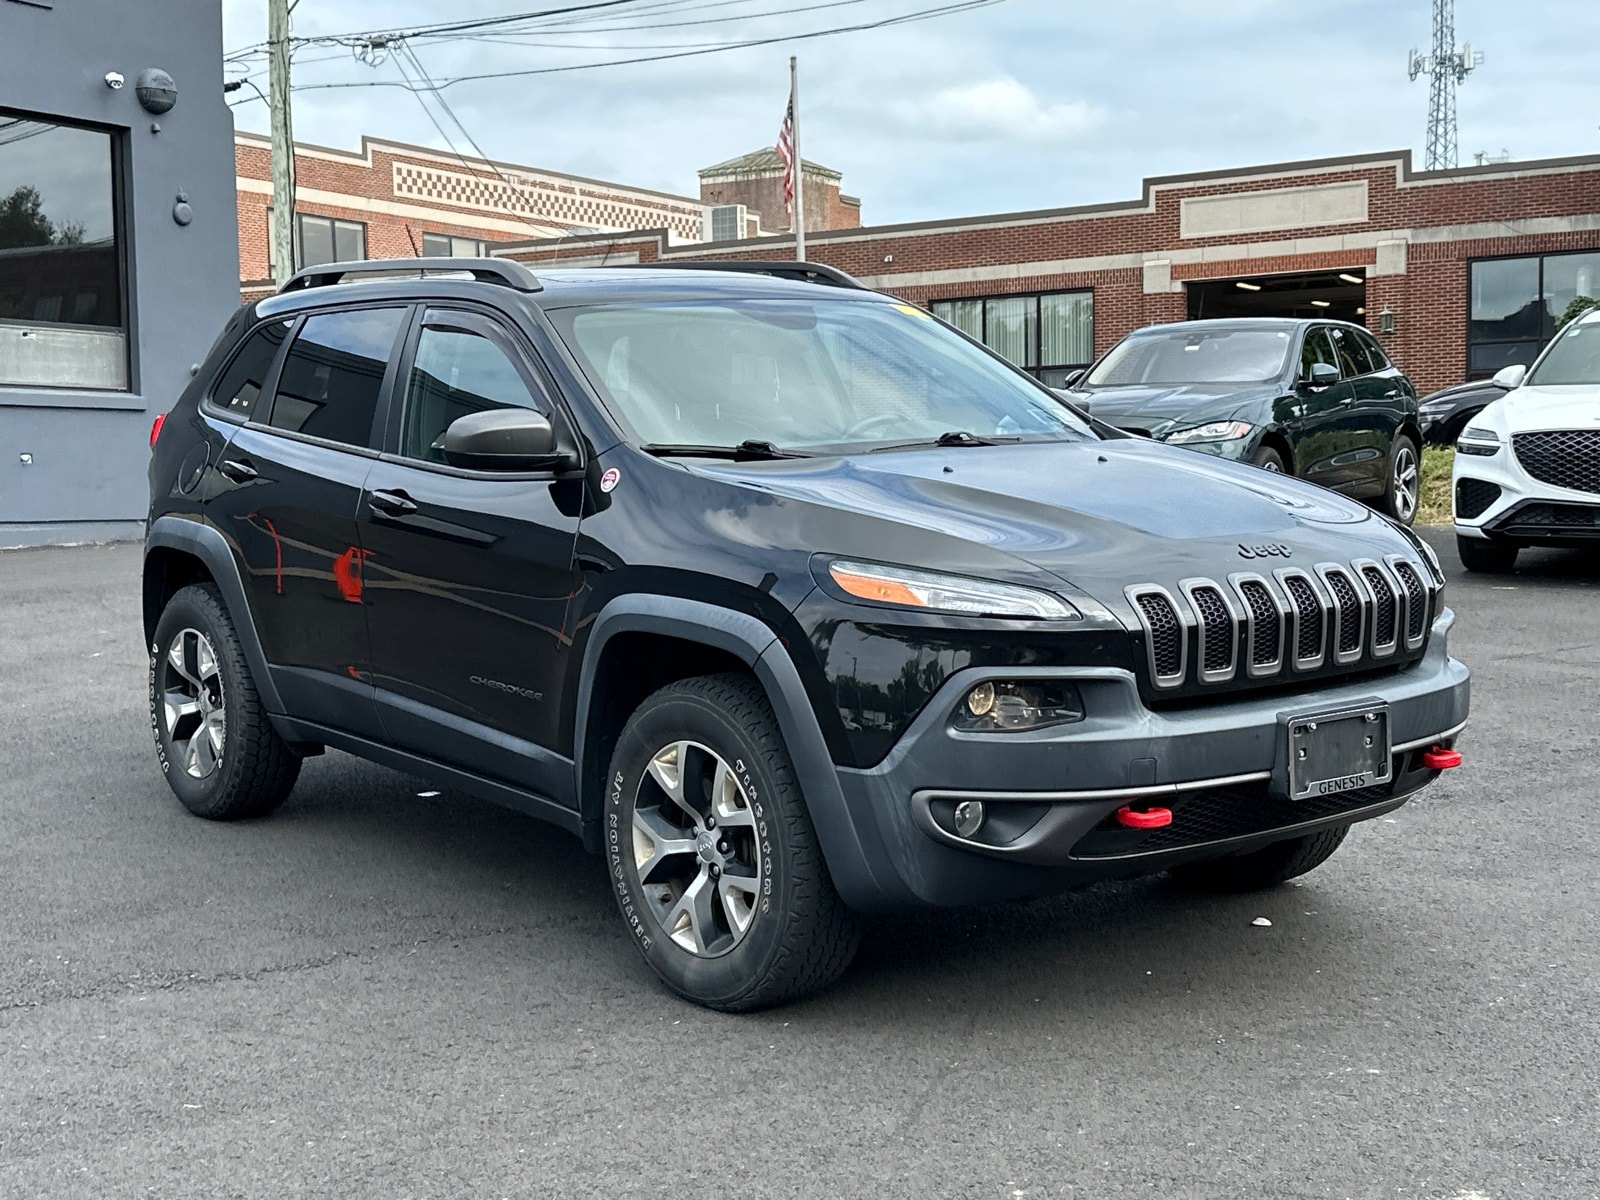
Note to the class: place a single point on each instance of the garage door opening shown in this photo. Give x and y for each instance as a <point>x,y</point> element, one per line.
<point>1341,295</point>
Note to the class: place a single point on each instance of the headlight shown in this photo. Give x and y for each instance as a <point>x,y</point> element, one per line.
<point>1012,706</point>
<point>1214,431</point>
<point>1475,439</point>
<point>947,593</point>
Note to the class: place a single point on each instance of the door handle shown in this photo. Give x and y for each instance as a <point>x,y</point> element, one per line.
<point>1391,395</point>
<point>239,470</point>
<point>391,504</point>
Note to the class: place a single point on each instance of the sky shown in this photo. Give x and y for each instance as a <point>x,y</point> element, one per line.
<point>1019,105</point>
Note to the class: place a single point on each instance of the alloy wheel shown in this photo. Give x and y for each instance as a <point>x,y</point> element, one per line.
<point>192,703</point>
<point>1407,482</point>
<point>696,848</point>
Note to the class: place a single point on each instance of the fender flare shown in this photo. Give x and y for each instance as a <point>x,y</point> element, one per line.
<point>206,543</point>
<point>860,873</point>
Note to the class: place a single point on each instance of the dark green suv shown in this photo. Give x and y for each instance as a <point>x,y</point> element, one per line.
<point>1317,399</point>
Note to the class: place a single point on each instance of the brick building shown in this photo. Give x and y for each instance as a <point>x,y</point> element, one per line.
<point>391,200</point>
<point>1458,272</point>
<point>755,182</point>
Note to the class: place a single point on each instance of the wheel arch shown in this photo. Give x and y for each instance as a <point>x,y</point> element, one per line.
<point>1276,439</point>
<point>182,551</point>
<point>692,637</point>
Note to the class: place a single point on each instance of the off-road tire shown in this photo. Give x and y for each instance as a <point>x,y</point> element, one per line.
<point>257,768</point>
<point>801,936</point>
<point>1486,557</point>
<point>1260,869</point>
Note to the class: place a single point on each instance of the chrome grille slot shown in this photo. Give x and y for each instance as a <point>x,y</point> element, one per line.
<point>1265,621</point>
<point>1310,633</point>
<point>1218,630</point>
<point>1348,613</point>
<point>1416,624</point>
<point>1387,599</point>
<point>1166,639</point>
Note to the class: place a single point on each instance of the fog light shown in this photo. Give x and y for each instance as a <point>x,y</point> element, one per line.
<point>1010,706</point>
<point>969,817</point>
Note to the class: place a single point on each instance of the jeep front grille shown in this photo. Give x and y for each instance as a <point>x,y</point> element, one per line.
<point>1567,458</point>
<point>1293,621</point>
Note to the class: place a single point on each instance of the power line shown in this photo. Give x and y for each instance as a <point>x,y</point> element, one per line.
<point>905,19</point>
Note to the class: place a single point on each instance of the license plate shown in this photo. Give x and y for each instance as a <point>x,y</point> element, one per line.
<point>1340,752</point>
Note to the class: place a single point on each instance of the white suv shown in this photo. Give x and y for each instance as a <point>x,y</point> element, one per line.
<point>1527,468</point>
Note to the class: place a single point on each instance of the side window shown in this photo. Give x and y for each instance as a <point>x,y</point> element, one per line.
<point>1352,356</point>
<point>330,381</point>
<point>241,383</point>
<point>1318,348</point>
<point>1380,361</point>
<point>457,372</point>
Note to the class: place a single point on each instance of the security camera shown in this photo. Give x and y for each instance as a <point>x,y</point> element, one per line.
<point>114,80</point>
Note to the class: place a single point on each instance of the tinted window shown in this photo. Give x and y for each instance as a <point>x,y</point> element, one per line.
<point>456,373</point>
<point>1352,354</point>
<point>1505,300</point>
<point>1380,361</point>
<point>242,382</point>
<point>1318,348</point>
<point>331,379</point>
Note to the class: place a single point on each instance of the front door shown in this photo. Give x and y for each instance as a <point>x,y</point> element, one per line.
<point>1322,444</point>
<point>293,475</point>
<point>468,572</point>
<point>1379,408</point>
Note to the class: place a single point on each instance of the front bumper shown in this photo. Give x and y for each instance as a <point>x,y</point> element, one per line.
<point>1051,794</point>
<point>1494,498</point>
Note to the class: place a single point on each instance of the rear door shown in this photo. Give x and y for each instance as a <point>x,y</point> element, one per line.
<point>1373,416</point>
<point>469,572</point>
<point>1322,444</point>
<point>290,483</point>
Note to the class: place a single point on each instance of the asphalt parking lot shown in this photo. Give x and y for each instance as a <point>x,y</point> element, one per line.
<point>377,993</point>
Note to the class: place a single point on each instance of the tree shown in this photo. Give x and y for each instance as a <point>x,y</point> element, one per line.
<point>1579,306</point>
<point>22,220</point>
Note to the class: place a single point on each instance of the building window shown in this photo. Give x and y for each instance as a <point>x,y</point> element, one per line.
<point>446,245</point>
<point>1047,335</point>
<point>1514,305</point>
<point>320,240</point>
<point>62,313</point>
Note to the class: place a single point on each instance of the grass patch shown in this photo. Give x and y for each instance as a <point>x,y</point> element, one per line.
<point>1437,462</point>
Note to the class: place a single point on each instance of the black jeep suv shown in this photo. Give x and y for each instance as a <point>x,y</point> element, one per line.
<point>788,600</point>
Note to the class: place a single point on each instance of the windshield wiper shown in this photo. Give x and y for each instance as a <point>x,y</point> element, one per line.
<point>749,450</point>
<point>952,437</point>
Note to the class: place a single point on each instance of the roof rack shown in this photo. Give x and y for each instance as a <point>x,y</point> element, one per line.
<point>504,271</point>
<point>804,272</point>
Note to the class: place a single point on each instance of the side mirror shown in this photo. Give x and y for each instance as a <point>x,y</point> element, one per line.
<point>1510,377</point>
<point>501,439</point>
<point>1073,377</point>
<point>1322,375</point>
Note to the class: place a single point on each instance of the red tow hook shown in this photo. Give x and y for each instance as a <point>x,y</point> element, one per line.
<point>1149,818</point>
<point>1439,758</point>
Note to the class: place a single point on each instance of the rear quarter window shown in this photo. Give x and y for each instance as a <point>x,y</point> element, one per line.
<point>241,383</point>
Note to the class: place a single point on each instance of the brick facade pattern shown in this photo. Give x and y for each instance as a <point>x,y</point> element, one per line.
<point>1445,220</point>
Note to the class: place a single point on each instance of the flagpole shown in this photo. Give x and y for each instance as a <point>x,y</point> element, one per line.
<point>799,166</point>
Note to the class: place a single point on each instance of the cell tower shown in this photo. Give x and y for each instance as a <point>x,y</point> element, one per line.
<point>1448,65</point>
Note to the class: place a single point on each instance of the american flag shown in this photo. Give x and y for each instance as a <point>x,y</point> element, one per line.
<point>786,152</point>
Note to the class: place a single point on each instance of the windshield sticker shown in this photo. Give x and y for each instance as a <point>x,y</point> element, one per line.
<point>911,310</point>
<point>610,479</point>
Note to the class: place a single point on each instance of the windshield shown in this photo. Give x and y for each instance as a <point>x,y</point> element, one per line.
<point>1574,357</point>
<point>1194,356</point>
<point>804,374</point>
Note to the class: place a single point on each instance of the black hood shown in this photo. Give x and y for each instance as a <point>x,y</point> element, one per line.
<point>1099,515</point>
<point>1174,406</point>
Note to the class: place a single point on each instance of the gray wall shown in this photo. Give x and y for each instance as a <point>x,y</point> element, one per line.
<point>89,450</point>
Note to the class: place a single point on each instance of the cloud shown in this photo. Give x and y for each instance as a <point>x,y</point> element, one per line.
<point>992,110</point>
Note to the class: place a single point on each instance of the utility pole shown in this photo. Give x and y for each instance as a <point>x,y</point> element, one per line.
<point>282,233</point>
